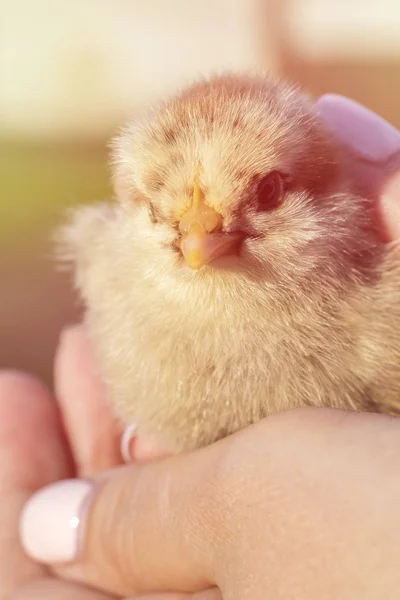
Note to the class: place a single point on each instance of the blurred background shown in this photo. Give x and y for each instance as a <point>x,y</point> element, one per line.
<point>72,72</point>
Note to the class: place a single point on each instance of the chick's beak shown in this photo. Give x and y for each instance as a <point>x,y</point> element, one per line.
<point>202,240</point>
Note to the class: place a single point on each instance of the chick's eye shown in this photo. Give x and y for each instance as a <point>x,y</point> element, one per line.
<point>270,191</point>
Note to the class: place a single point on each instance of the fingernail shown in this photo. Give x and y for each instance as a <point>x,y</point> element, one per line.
<point>52,521</point>
<point>361,129</point>
<point>126,442</point>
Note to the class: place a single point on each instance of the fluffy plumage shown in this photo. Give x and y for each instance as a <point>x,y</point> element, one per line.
<point>305,312</point>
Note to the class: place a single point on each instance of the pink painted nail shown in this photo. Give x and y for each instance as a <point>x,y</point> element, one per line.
<point>126,442</point>
<point>361,129</point>
<point>52,521</point>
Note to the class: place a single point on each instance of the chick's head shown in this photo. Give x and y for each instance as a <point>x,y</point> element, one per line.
<point>237,174</point>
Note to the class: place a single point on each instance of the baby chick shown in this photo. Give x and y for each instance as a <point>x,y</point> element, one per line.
<point>237,274</point>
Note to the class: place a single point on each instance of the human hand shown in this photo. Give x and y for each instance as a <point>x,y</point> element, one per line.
<point>303,503</point>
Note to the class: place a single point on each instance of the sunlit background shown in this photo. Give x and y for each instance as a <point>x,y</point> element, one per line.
<point>72,71</point>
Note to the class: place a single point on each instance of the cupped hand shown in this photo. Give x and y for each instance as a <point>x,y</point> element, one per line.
<point>303,503</point>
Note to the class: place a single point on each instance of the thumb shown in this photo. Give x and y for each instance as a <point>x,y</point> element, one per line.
<point>145,528</point>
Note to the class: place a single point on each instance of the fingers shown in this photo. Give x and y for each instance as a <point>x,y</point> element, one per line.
<point>93,432</point>
<point>145,528</point>
<point>32,455</point>
<point>376,146</point>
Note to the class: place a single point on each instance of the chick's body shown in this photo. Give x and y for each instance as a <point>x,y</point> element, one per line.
<point>305,310</point>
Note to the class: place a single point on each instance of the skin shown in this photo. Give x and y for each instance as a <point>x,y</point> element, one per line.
<point>290,494</point>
